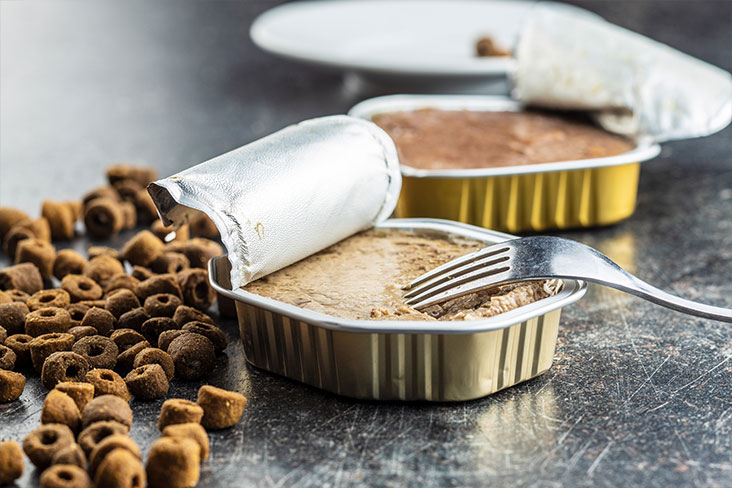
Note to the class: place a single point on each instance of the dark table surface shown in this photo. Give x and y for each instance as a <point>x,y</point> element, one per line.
<point>637,395</point>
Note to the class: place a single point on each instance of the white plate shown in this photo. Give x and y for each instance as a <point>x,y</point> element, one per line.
<point>394,37</point>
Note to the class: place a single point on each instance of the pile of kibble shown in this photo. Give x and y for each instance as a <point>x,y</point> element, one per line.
<point>102,329</point>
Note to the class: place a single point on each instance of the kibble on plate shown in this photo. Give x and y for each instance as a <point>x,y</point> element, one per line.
<point>71,454</point>
<point>80,392</point>
<point>179,411</point>
<point>99,351</point>
<point>173,463</point>
<point>95,433</point>
<point>11,462</point>
<point>65,476</point>
<point>221,408</point>
<point>107,407</point>
<point>63,366</point>
<point>44,442</point>
<point>108,382</point>
<point>189,430</point>
<point>60,408</point>
<point>43,346</point>
<point>12,385</point>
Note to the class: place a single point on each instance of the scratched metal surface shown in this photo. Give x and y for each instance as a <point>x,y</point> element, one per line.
<point>637,395</point>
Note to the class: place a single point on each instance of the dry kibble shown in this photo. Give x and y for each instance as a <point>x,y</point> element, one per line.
<point>65,476</point>
<point>182,233</point>
<point>107,382</point>
<point>43,346</point>
<point>96,432</point>
<point>165,283</point>
<point>153,327</point>
<point>142,175</point>
<point>18,233</point>
<point>126,338</point>
<point>25,277</point>
<point>101,192</point>
<point>96,251</point>
<point>121,301</point>
<point>60,408</point>
<point>107,407</point>
<point>175,246</point>
<point>102,268</point>
<point>127,189</point>
<point>120,281</point>
<point>189,430</point>
<point>99,351</point>
<point>100,319</point>
<point>43,443</point>
<point>47,320</point>
<point>121,469</point>
<point>152,355</point>
<point>213,333</point>
<point>76,207</point>
<point>20,344</point>
<point>109,444</point>
<point>77,311</point>
<point>12,317</point>
<point>193,356</point>
<point>48,298</point>
<point>179,411</point>
<point>9,217</point>
<point>60,218</point>
<point>142,249</point>
<point>41,228</point>
<point>63,366</point>
<point>7,358</point>
<point>5,298</point>
<point>147,382</point>
<point>126,360</point>
<point>146,210</point>
<point>133,319</point>
<point>11,462</point>
<point>37,252</point>
<point>167,337</point>
<point>79,332</point>
<point>12,385</point>
<point>161,305</point>
<point>141,273</point>
<point>203,226</point>
<point>71,454</point>
<point>80,393</point>
<point>3,334</point>
<point>199,251</point>
<point>103,218</point>
<point>68,262</point>
<point>129,215</point>
<point>170,262</point>
<point>93,303</point>
<point>81,287</point>
<point>18,295</point>
<point>221,408</point>
<point>173,463</point>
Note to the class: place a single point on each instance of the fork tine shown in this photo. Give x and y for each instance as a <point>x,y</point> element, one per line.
<point>450,291</point>
<point>459,262</point>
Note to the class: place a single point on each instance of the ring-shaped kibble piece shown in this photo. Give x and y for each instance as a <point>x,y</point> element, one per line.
<point>121,281</point>
<point>173,463</point>
<point>102,268</point>
<point>43,346</point>
<point>72,454</point>
<point>7,358</point>
<point>121,469</point>
<point>161,305</point>
<point>96,251</point>
<point>193,356</point>
<point>47,320</point>
<point>103,218</point>
<point>12,385</point>
<point>60,408</point>
<point>109,444</point>
<point>185,314</point>
<point>9,217</point>
<point>179,411</point>
<point>170,262</point>
<point>129,215</point>
<point>108,382</point>
<point>65,476</point>
<point>4,298</point>
<point>221,408</point>
<point>126,338</point>
<point>196,289</point>
<point>96,432</point>
<point>127,189</point>
<point>200,251</point>
<point>153,327</point>
<point>167,337</point>
<point>121,301</point>
<point>38,252</point>
<point>80,287</point>
<point>63,366</point>
<point>68,262</point>
<point>141,273</point>
<point>101,192</point>
<point>133,319</point>
<point>142,248</point>
<point>25,277</point>
<point>213,333</point>
<point>143,175</point>
<point>153,355</point>
<point>147,382</point>
<point>147,212</point>
<point>60,219</point>
<point>126,360</point>
<point>165,283</point>
<point>190,430</point>
<point>12,317</point>
<point>17,295</point>
<point>20,344</point>
<point>14,236</point>
<point>80,332</point>
<point>49,298</point>
<point>81,393</point>
<point>93,303</point>
<point>3,334</point>
<point>43,443</point>
<point>107,407</point>
<point>101,319</point>
<point>99,351</point>
<point>11,462</point>
<point>77,312</point>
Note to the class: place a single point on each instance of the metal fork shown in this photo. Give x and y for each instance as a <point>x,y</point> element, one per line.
<point>537,258</point>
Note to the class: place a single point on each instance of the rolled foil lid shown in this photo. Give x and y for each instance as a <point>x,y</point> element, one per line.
<point>635,86</point>
<point>289,195</point>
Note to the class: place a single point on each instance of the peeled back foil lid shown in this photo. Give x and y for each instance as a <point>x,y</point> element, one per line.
<point>289,195</point>
<point>636,86</point>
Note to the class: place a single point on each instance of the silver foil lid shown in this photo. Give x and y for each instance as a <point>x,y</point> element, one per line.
<point>289,195</point>
<point>636,86</point>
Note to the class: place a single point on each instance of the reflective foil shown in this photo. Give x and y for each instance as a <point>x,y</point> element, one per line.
<point>636,86</point>
<point>289,195</point>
